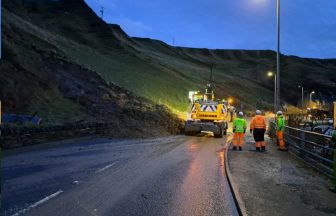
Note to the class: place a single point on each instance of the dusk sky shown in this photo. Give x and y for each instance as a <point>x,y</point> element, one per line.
<point>308,27</point>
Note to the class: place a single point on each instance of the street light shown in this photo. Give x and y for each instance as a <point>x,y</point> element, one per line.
<point>311,97</point>
<point>301,86</point>
<point>278,57</point>
<point>270,74</point>
<point>277,92</point>
<point>230,101</point>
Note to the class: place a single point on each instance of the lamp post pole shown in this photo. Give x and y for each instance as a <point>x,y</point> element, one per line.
<point>271,74</point>
<point>311,98</point>
<point>275,94</point>
<point>278,58</point>
<point>302,105</point>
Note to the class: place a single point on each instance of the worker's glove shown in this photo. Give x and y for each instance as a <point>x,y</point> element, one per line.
<point>250,130</point>
<point>234,130</point>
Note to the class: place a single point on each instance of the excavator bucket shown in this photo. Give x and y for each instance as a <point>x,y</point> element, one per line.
<point>192,128</point>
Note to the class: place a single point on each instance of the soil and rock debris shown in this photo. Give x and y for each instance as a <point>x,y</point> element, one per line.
<point>37,76</point>
<point>61,60</point>
<point>121,113</point>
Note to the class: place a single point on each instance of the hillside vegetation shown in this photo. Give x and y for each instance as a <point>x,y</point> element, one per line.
<point>63,61</point>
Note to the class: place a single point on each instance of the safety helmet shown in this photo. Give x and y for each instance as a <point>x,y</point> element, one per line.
<point>279,113</point>
<point>240,114</point>
<point>258,112</point>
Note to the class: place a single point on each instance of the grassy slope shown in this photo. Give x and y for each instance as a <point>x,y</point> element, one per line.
<point>147,67</point>
<point>24,81</point>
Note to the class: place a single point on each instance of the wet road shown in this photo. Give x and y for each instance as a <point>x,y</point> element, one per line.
<point>171,176</point>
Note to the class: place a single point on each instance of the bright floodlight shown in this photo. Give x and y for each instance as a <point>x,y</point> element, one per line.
<point>270,73</point>
<point>313,92</point>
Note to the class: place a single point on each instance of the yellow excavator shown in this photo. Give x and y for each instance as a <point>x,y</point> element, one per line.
<point>207,115</point>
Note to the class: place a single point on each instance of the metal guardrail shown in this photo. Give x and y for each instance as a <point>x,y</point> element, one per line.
<point>316,149</point>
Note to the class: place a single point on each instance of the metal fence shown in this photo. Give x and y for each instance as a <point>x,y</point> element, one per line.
<point>316,149</point>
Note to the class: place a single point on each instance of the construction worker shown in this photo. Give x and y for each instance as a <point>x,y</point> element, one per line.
<point>239,128</point>
<point>258,126</point>
<point>280,130</point>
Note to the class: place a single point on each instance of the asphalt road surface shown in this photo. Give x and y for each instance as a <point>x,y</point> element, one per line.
<point>172,176</point>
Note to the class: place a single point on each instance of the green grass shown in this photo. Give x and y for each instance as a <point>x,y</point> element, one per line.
<point>130,72</point>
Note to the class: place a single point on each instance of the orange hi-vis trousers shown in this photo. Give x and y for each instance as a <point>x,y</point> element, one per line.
<point>238,139</point>
<point>281,140</point>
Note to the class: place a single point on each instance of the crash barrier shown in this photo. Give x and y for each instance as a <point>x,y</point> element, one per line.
<point>301,120</point>
<point>314,148</point>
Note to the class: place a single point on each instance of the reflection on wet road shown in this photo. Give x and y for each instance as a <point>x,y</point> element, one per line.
<point>171,176</point>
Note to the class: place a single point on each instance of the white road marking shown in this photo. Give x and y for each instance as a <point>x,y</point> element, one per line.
<point>106,167</point>
<point>38,203</point>
<point>75,182</point>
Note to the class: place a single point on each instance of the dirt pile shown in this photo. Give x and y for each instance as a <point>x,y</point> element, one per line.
<point>64,62</point>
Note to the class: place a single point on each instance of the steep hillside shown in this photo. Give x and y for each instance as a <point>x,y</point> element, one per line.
<point>36,75</point>
<point>63,61</point>
<point>240,73</point>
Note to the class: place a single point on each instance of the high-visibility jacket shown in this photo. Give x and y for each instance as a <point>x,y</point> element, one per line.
<point>258,122</point>
<point>239,125</point>
<point>281,124</point>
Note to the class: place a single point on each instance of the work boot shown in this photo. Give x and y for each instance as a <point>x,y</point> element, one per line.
<point>257,148</point>
<point>240,148</point>
<point>263,148</point>
<point>234,148</point>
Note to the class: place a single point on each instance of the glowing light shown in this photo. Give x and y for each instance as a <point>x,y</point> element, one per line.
<point>270,74</point>
<point>193,147</point>
<point>230,100</point>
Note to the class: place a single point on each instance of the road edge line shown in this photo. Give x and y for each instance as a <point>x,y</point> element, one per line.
<point>240,204</point>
